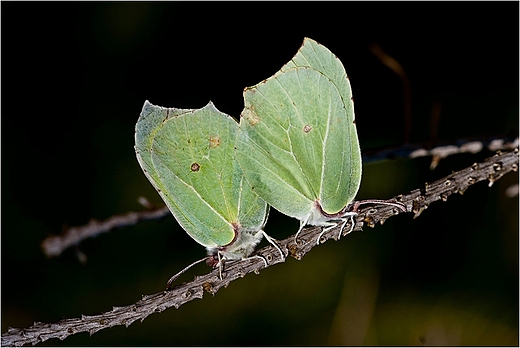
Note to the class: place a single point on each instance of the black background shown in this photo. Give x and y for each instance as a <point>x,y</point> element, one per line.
<point>74,79</point>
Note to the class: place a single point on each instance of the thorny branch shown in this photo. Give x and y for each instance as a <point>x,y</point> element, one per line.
<point>54,245</point>
<point>415,201</point>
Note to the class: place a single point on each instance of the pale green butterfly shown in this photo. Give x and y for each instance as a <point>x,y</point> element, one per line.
<point>188,156</point>
<point>297,141</point>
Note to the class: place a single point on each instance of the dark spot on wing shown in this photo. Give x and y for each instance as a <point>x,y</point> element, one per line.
<point>195,167</point>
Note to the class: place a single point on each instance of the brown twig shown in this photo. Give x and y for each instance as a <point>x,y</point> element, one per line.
<point>54,245</point>
<point>416,201</point>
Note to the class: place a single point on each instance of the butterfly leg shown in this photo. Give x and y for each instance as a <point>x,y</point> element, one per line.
<point>257,257</point>
<point>330,225</point>
<point>273,242</point>
<point>345,220</point>
<point>219,264</point>
<point>302,225</point>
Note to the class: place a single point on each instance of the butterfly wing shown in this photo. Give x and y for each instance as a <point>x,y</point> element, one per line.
<point>297,141</point>
<point>188,156</point>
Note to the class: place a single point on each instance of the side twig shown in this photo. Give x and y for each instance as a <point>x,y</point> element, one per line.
<point>416,201</point>
<point>53,246</point>
<point>440,152</point>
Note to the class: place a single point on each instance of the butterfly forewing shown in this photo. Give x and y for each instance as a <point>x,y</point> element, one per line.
<point>297,141</point>
<point>188,156</point>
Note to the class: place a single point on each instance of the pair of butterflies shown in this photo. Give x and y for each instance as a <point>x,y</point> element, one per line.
<point>296,149</point>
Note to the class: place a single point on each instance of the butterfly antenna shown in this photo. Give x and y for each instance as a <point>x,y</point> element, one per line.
<point>356,204</point>
<point>173,278</point>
